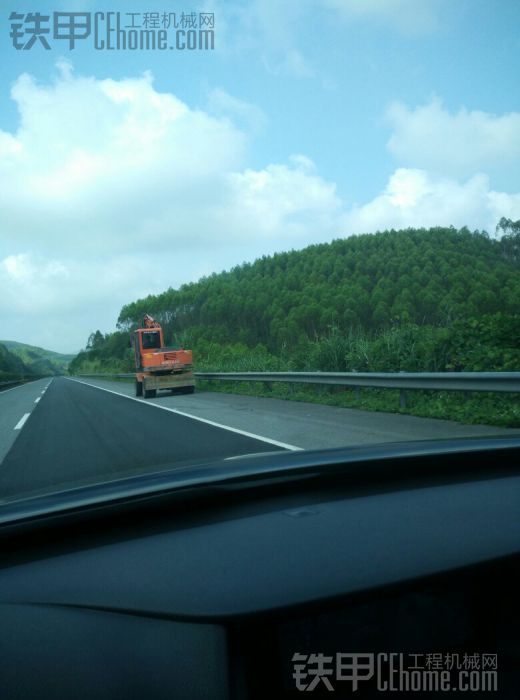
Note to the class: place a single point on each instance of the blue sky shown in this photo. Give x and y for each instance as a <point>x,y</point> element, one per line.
<point>124,172</point>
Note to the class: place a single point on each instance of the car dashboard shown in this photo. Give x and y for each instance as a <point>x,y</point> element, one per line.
<point>227,591</point>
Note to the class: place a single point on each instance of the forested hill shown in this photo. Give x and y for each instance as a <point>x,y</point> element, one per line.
<point>373,281</point>
<point>412,299</point>
<point>11,366</point>
<point>20,359</point>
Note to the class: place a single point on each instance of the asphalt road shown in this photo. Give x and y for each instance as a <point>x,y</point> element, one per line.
<point>58,433</point>
<point>77,434</point>
<point>15,404</point>
<point>307,425</point>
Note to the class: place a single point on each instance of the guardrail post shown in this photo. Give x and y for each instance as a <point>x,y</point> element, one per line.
<point>402,398</point>
<point>357,391</point>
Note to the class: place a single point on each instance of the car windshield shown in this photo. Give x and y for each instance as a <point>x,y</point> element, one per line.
<point>248,227</point>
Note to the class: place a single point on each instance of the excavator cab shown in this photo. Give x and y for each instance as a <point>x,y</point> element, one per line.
<point>151,340</point>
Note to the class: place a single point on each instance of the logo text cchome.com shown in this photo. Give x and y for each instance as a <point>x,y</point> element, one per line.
<point>114,31</point>
<point>396,672</point>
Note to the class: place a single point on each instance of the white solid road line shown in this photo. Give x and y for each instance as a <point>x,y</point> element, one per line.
<point>36,400</point>
<point>21,386</point>
<point>21,422</point>
<point>284,445</point>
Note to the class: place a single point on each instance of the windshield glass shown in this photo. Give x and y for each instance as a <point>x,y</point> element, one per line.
<point>151,340</point>
<point>248,227</point>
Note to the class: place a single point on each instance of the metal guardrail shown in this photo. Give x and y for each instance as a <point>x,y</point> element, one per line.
<point>22,380</point>
<point>438,381</point>
<point>432,381</point>
<point>12,382</point>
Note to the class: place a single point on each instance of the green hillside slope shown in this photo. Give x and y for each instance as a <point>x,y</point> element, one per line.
<point>412,300</point>
<point>38,360</point>
<point>449,299</point>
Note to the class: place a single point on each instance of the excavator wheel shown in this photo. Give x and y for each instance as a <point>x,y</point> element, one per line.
<point>150,393</point>
<point>138,388</point>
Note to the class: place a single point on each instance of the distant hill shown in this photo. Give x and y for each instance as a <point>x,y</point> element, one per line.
<point>371,282</point>
<point>415,300</point>
<point>11,366</point>
<point>34,360</point>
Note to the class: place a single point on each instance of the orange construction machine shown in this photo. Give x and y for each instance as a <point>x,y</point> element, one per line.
<point>159,367</point>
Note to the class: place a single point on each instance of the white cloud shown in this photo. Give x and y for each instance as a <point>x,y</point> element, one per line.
<point>56,303</point>
<point>91,218</point>
<point>269,31</point>
<point>458,144</point>
<point>408,16</point>
<point>20,269</point>
<point>291,201</point>
<point>272,28</point>
<point>112,190</point>
<point>119,184</point>
<point>290,62</point>
<point>221,103</point>
<point>415,198</point>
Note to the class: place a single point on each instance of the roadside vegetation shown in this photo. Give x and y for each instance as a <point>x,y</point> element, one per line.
<point>412,300</point>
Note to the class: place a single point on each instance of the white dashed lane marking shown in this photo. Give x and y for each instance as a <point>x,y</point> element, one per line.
<point>21,422</point>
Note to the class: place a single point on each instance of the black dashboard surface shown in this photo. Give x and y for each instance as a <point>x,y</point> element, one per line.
<point>172,610</point>
<point>277,555</point>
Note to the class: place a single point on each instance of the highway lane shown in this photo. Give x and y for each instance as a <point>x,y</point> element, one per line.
<point>16,405</point>
<point>79,431</point>
<point>307,425</point>
<point>78,434</point>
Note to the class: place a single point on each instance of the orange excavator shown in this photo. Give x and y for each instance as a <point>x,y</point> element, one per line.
<point>159,367</point>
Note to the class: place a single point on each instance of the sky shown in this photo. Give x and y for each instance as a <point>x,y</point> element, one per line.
<point>124,173</point>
